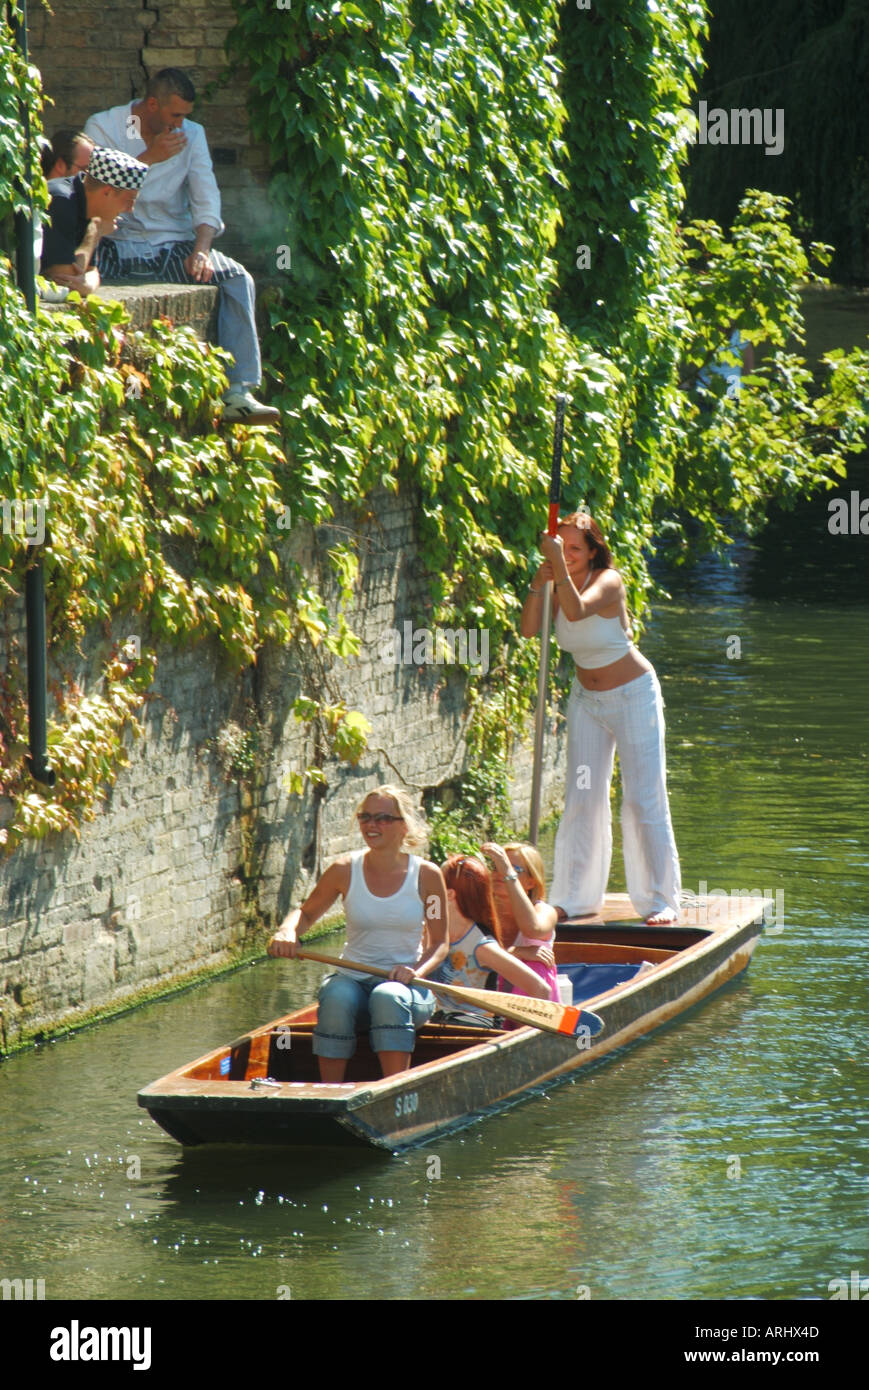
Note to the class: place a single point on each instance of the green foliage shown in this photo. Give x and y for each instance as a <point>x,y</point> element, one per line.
<point>144,518</point>
<point>415,153</point>
<point>629,68</point>
<point>788,431</point>
<point>20,173</point>
<point>88,749</point>
<point>416,157</point>
<point>239,748</point>
<point>477,810</point>
<point>346,731</point>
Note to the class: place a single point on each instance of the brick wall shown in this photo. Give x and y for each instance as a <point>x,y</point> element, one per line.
<point>94,54</point>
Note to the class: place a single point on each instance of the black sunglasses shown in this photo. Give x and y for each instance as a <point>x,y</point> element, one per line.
<point>377,818</point>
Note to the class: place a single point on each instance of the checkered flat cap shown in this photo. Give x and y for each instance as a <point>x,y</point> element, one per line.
<point>117,169</point>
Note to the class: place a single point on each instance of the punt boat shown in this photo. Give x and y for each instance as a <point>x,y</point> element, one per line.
<point>263,1088</point>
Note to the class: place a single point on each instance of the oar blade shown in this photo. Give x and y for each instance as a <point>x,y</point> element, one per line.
<point>563,1019</point>
<point>549,1017</point>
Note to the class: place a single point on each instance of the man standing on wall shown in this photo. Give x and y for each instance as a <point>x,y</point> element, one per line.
<point>168,237</point>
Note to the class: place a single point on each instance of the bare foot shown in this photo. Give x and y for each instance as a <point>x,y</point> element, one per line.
<point>665,918</point>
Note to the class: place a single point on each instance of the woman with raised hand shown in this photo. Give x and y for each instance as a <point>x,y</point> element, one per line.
<point>615,702</point>
<point>473,949</point>
<point>526,920</point>
<point>391,897</point>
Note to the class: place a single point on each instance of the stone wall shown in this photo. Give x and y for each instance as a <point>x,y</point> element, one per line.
<point>185,865</point>
<point>94,54</point>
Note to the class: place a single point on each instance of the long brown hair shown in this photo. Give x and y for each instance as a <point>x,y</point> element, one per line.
<point>471,882</point>
<point>602,558</point>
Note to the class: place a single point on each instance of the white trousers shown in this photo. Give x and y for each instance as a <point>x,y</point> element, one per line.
<point>630,718</point>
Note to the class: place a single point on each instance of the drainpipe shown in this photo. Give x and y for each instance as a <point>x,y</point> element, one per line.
<point>34,593</point>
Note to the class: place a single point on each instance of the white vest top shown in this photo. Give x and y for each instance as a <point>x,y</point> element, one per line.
<point>383,931</point>
<point>593,641</point>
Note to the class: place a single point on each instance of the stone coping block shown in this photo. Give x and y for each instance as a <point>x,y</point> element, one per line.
<point>194,305</point>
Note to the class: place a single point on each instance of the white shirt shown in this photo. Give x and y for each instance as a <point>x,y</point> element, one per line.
<point>178,194</point>
<point>383,931</point>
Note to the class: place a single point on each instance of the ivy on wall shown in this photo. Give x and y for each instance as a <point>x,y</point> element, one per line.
<point>481,204</point>
<point>148,511</point>
<point>20,173</point>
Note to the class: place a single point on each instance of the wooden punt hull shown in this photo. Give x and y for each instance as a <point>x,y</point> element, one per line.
<point>263,1088</point>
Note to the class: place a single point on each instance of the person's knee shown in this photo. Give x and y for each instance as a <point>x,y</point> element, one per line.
<point>650,810</point>
<point>339,1005</point>
<point>236,280</point>
<point>390,1005</point>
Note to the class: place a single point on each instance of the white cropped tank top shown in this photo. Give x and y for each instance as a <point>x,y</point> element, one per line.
<point>383,931</point>
<point>593,641</point>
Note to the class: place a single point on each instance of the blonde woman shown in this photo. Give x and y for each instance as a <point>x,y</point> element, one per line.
<point>390,897</point>
<point>526,921</point>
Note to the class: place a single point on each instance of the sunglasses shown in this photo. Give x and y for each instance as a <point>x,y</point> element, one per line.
<point>377,818</point>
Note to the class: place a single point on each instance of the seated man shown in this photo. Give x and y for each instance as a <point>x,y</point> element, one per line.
<point>67,155</point>
<point>86,208</point>
<point>177,217</point>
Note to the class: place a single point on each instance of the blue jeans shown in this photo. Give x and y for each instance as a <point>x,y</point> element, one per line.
<point>392,1012</point>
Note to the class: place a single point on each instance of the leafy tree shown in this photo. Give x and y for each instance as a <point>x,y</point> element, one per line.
<point>787,430</point>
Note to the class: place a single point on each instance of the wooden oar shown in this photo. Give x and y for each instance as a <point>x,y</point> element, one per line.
<point>545,624</point>
<point>544,1014</point>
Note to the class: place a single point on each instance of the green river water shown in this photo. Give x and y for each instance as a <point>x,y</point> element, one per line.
<point>723,1157</point>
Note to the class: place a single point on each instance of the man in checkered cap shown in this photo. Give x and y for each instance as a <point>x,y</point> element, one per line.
<point>83,210</point>
<point>168,238</point>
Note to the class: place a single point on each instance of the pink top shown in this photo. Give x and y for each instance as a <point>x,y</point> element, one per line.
<point>549,973</point>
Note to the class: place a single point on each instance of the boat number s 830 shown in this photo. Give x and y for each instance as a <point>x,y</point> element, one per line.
<point>407,1104</point>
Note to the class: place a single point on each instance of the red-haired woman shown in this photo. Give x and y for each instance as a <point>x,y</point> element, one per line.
<point>615,702</point>
<point>473,951</point>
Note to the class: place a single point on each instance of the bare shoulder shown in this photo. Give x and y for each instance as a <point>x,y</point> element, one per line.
<point>609,582</point>
<point>431,872</point>
<point>333,881</point>
<point>337,875</point>
<point>547,916</point>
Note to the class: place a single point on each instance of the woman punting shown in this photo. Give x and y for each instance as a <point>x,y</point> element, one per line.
<point>615,702</point>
